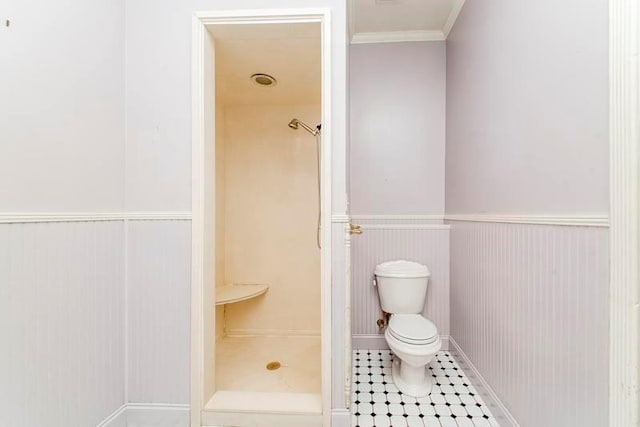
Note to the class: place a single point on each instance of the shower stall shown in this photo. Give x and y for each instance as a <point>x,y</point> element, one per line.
<point>261,292</point>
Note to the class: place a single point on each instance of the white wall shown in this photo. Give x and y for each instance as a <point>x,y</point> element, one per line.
<point>61,115</point>
<point>61,150</point>
<point>397,128</point>
<point>527,108</point>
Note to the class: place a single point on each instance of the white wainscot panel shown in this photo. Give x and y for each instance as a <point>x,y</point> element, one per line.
<point>159,265</point>
<point>61,323</point>
<point>529,308</point>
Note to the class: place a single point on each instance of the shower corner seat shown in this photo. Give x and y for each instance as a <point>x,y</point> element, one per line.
<point>229,294</point>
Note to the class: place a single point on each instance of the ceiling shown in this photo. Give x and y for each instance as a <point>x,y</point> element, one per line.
<point>290,53</point>
<point>377,21</point>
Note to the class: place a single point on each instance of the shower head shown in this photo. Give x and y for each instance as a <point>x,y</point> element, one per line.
<point>294,123</point>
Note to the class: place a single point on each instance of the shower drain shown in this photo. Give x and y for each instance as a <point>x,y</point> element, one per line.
<point>272,366</point>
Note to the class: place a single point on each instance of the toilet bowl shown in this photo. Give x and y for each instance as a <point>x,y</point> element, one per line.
<point>413,339</point>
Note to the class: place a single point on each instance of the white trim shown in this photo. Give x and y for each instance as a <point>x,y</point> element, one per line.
<point>150,411</point>
<point>339,218</point>
<point>326,211</point>
<point>351,18</point>
<point>398,36</point>
<point>456,8</point>
<point>29,217</point>
<point>369,341</point>
<point>25,217</point>
<point>158,216</point>
<point>158,406</point>
<point>403,36</point>
<point>407,217</point>
<point>498,410</point>
<point>624,243</point>
<point>347,318</point>
<point>118,416</point>
<point>378,342</point>
<point>405,226</point>
<point>567,220</point>
<point>197,222</point>
<point>340,418</point>
<point>262,16</point>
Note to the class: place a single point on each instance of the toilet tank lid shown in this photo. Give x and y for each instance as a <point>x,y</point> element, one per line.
<point>402,268</point>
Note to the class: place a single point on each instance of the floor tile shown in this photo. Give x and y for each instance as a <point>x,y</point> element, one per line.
<point>376,402</point>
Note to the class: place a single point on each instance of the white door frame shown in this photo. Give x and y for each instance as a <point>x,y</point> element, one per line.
<point>203,141</point>
<point>624,146</point>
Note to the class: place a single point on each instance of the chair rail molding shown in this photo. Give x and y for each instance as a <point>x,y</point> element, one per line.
<point>595,220</point>
<point>30,217</point>
<point>624,150</point>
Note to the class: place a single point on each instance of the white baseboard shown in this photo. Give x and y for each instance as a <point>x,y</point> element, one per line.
<point>499,411</point>
<point>117,419</point>
<point>372,342</point>
<point>377,342</point>
<point>148,415</point>
<point>340,418</point>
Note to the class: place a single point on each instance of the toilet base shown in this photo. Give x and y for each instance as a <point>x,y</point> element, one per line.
<point>411,380</point>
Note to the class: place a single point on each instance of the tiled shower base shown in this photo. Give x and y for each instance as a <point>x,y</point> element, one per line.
<point>375,401</point>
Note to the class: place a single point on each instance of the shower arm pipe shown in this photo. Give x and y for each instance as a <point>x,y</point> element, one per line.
<point>293,124</point>
<point>314,132</point>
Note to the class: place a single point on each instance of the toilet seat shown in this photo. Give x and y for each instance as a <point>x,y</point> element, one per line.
<point>412,329</point>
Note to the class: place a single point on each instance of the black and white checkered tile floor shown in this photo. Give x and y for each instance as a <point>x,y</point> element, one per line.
<point>375,400</point>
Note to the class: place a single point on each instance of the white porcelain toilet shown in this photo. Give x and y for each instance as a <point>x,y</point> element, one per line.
<point>414,340</point>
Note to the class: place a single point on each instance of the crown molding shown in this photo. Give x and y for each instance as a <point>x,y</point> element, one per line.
<point>456,8</point>
<point>398,36</point>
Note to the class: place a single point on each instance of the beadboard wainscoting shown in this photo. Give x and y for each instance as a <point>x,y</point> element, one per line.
<point>529,310</point>
<point>423,239</point>
<point>158,316</point>
<point>61,323</point>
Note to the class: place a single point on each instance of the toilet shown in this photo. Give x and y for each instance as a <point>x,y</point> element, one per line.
<point>413,339</point>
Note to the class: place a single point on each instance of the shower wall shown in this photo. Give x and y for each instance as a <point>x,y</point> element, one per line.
<point>271,208</point>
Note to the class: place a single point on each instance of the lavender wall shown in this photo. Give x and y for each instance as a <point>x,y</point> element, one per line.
<point>397,128</point>
<point>527,108</point>
<point>527,134</point>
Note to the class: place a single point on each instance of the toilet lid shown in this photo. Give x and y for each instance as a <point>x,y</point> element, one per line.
<point>412,329</point>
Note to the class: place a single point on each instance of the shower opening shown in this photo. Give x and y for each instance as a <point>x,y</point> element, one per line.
<point>262,320</point>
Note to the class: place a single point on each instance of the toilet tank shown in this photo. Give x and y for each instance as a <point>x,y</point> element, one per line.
<point>402,286</point>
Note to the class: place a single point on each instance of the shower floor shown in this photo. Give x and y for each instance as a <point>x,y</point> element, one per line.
<point>241,364</point>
